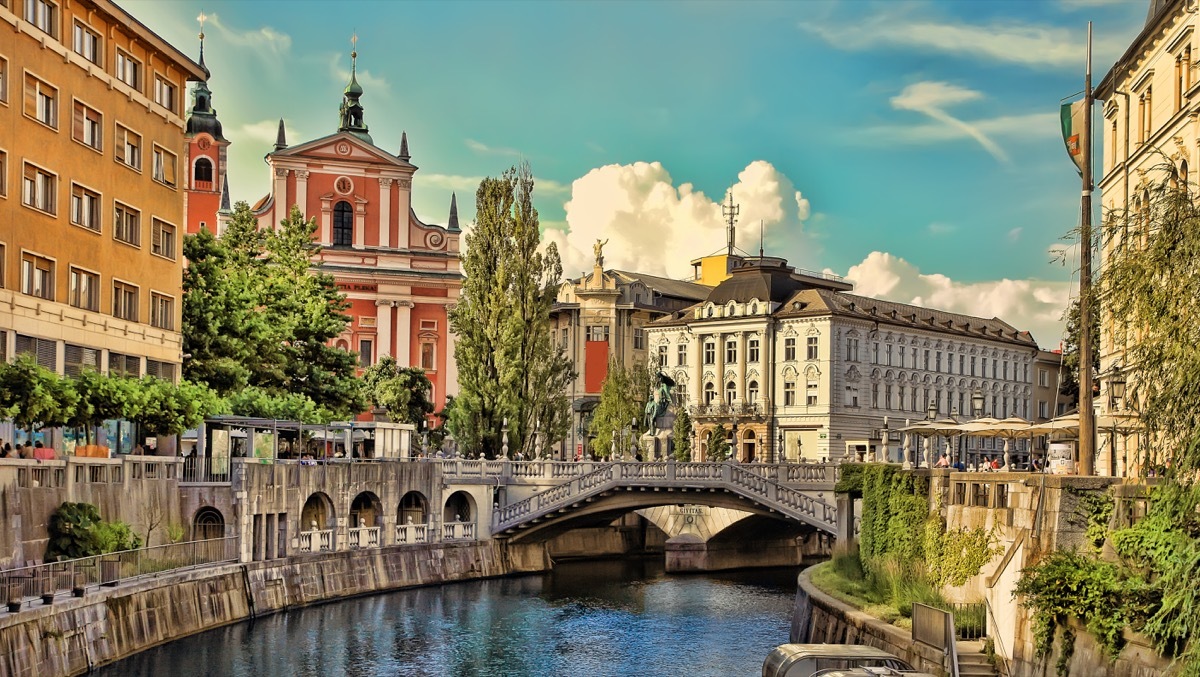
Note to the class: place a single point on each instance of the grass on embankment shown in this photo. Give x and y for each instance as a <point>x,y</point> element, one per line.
<point>887,592</point>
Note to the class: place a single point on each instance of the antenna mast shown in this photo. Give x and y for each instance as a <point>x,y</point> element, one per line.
<point>731,212</point>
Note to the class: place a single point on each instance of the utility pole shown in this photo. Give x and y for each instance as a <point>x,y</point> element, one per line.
<point>1087,420</point>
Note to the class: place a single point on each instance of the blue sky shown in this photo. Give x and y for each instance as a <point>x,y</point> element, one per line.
<point>913,146</point>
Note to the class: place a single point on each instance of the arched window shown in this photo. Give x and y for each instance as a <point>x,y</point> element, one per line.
<point>1183,173</point>
<point>710,393</point>
<point>730,392</point>
<point>204,170</point>
<point>343,224</point>
<point>752,392</point>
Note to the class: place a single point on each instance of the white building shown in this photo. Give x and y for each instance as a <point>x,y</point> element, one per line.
<point>800,368</point>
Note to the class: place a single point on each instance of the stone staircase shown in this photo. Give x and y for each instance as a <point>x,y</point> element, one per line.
<point>972,662</point>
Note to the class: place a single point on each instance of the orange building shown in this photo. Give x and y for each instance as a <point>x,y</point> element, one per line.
<point>91,206</point>
<point>400,275</point>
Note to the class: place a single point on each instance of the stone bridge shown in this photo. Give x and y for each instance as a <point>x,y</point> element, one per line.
<point>592,493</point>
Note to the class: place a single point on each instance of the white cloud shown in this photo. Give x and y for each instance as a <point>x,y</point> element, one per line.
<point>1023,127</point>
<point>265,131</point>
<point>1030,305</point>
<point>938,228</point>
<point>932,99</point>
<point>469,184</point>
<point>266,41</point>
<point>480,147</point>
<point>1029,45</point>
<point>1015,234</point>
<point>656,227</point>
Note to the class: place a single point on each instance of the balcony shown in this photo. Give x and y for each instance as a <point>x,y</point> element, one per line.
<point>725,410</point>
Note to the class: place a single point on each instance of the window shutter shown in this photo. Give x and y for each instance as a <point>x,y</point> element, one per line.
<point>119,145</point>
<point>26,344</point>
<point>77,122</point>
<point>169,168</point>
<point>30,96</point>
<point>47,354</point>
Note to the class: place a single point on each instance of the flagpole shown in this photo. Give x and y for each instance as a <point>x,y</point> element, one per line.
<point>1087,421</point>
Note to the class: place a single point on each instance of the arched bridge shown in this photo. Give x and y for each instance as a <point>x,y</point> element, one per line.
<point>619,487</point>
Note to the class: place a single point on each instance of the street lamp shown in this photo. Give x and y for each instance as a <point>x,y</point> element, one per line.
<point>932,410</point>
<point>977,403</point>
<point>1116,390</point>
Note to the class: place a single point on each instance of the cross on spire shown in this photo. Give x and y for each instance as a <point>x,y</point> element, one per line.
<point>731,212</point>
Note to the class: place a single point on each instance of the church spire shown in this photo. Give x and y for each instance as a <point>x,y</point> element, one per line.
<point>203,117</point>
<point>352,111</point>
<point>404,147</point>
<point>225,208</point>
<point>280,137</point>
<point>452,226</point>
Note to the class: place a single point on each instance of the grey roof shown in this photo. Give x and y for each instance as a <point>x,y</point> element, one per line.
<point>1154,13</point>
<point>666,286</point>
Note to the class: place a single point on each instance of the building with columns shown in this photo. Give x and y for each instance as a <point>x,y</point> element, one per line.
<point>604,315</point>
<point>400,274</point>
<point>1150,136</point>
<point>796,367</point>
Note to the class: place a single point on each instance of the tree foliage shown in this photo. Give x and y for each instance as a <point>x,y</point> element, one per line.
<point>508,364</point>
<point>719,448</point>
<point>618,410</point>
<point>681,435</point>
<point>255,402</point>
<point>33,396</point>
<point>258,312</point>
<point>168,409</point>
<point>1070,376</point>
<point>103,397</point>
<point>76,530</point>
<point>402,392</point>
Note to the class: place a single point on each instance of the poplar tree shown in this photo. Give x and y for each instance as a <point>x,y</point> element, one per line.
<point>682,434</point>
<point>508,365</point>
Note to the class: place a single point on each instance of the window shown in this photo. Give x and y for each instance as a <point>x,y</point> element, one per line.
<point>86,125</point>
<point>162,239</point>
<point>662,355</point>
<point>428,354</point>
<point>938,361</point>
<point>1043,409</point>
<point>43,14</point>
<point>365,350</point>
<point>164,93</point>
<point>852,396</point>
<point>41,101</point>
<point>789,393</point>
<point>752,350</point>
<point>44,350</point>
<point>125,301</point>
<point>203,173</point>
<point>962,364</point>
<point>752,392</point>
<point>994,361</point>
<point>163,370</point>
<point>730,392</point>
<point>127,225</point>
<point>811,393</point>
<point>86,43</point>
<point>164,166</point>
<point>812,347</point>
<point>889,354</point>
<point>77,358</point>
<point>562,342</point>
<point>852,350</point>
<point>3,80</point>
<point>926,360</point>
<point>128,148</point>
<point>1005,370</point>
<point>710,352</point>
<point>343,224</point>
<point>162,311</point>
<point>85,289</point>
<point>875,353</point>
<point>124,365</point>
<point>85,207</point>
<point>789,349</point>
<point>38,189</point>
<point>875,395</point>
<point>681,355</point>
<point>639,338</point>
<point>1043,378</point>
<point>710,393</point>
<point>730,351</point>
<point>129,70</point>
<point>598,332</point>
<point>37,276</point>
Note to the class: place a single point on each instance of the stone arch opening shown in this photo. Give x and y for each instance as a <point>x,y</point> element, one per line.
<point>460,507</point>
<point>204,170</point>
<point>748,447</point>
<point>343,224</point>
<point>317,513</point>
<point>207,524</point>
<point>413,509</point>
<point>366,510</point>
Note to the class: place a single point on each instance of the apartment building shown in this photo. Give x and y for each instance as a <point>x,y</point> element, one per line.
<point>91,208</point>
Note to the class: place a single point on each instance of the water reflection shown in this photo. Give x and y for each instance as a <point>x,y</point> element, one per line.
<point>586,618</point>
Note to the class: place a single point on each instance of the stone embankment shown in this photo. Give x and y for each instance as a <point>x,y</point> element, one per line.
<point>73,636</point>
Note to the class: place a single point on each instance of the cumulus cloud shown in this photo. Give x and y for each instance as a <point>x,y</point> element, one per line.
<point>655,226</point>
<point>265,40</point>
<point>1030,305</point>
<point>265,131</point>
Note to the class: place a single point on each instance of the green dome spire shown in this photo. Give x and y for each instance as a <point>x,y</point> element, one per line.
<point>351,112</point>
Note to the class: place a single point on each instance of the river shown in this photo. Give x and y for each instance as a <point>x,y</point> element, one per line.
<point>592,619</point>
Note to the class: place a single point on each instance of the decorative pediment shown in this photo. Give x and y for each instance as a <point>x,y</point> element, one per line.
<point>343,147</point>
<point>681,377</point>
<point>875,375</point>
<point>852,374</point>
<point>889,375</point>
<point>752,375</point>
<point>730,375</point>
<point>790,331</point>
<point>790,371</point>
<point>812,372</point>
<point>709,377</point>
<point>812,331</point>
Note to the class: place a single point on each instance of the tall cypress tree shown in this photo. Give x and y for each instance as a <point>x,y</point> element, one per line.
<point>508,364</point>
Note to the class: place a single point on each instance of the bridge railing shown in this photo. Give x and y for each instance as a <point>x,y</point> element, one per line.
<point>791,473</point>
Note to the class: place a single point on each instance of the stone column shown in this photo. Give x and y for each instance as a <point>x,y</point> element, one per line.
<point>383,324</point>
<point>281,198</point>
<point>302,190</point>
<point>696,357</point>
<point>360,226</point>
<point>741,366</point>
<point>404,333</point>
<point>845,520</point>
<point>385,212</point>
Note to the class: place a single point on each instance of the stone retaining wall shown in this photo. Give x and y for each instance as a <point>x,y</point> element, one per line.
<point>75,635</point>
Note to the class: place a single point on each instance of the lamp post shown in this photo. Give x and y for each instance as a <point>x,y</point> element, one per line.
<point>1116,391</point>
<point>977,410</point>
<point>931,414</point>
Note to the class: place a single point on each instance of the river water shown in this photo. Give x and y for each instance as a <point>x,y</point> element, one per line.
<point>584,618</point>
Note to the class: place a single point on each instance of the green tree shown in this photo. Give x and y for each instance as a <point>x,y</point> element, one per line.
<point>101,398</point>
<point>682,435</point>
<point>616,411</point>
<point>1070,376</point>
<point>169,409</point>
<point>402,392</point>
<point>718,444</point>
<point>35,397</point>
<point>255,402</point>
<point>72,532</point>
<point>509,367</point>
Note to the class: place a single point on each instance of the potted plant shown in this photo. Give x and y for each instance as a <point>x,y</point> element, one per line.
<point>14,597</point>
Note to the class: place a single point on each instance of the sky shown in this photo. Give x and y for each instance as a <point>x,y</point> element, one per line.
<point>912,147</point>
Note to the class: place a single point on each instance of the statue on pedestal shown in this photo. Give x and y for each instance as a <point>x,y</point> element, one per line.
<point>598,250</point>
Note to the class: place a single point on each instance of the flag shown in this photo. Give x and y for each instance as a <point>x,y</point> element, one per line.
<point>1071,115</point>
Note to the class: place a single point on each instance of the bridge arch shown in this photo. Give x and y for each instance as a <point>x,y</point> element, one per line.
<point>413,509</point>
<point>317,509</point>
